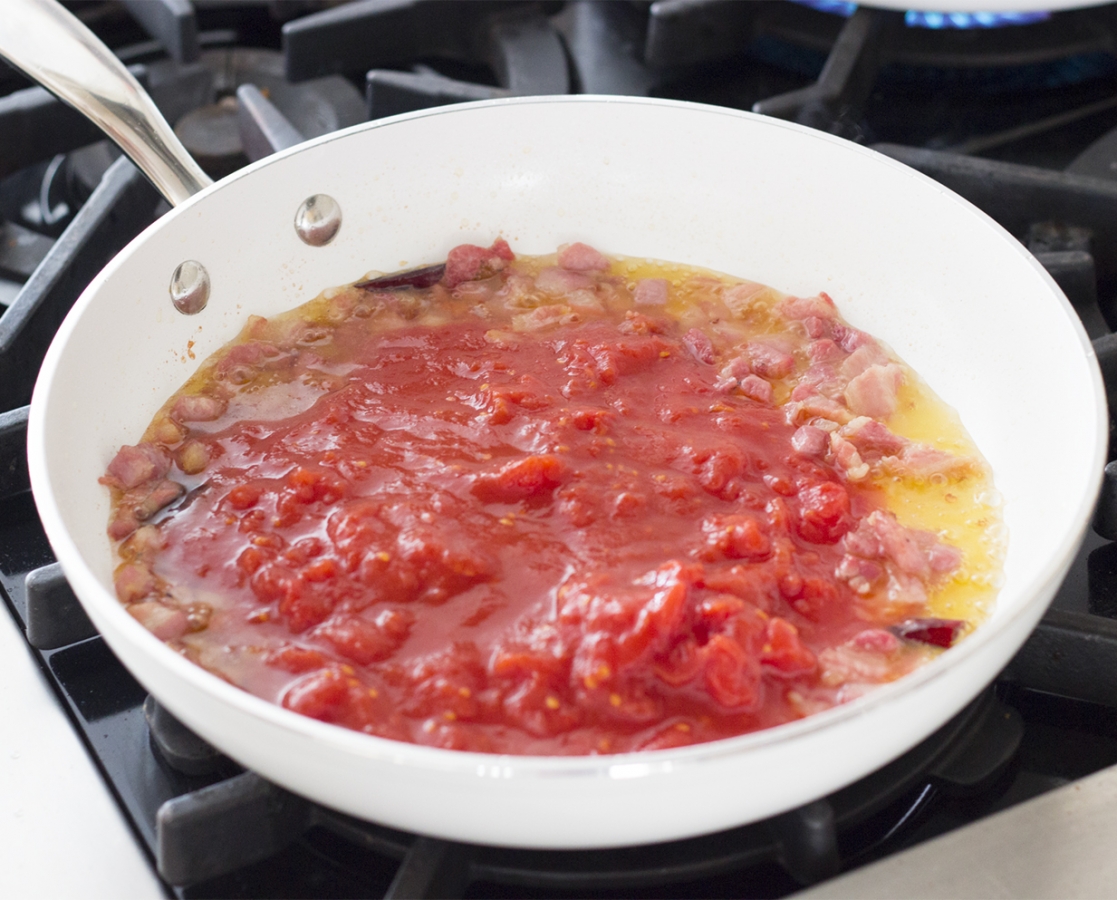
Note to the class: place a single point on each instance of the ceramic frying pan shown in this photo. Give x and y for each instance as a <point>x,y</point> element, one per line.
<point>950,291</point>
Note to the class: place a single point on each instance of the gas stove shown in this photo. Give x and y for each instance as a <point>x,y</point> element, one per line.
<point>1017,113</point>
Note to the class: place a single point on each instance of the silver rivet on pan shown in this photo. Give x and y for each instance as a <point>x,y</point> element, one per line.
<point>190,287</point>
<point>318,220</point>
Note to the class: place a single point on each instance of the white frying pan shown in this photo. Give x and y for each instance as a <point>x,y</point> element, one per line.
<point>941,283</point>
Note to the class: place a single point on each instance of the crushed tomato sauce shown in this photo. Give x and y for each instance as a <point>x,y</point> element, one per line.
<point>525,509</point>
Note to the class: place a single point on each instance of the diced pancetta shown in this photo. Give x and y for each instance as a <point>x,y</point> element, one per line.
<point>944,558</point>
<point>851,340</point>
<point>900,546</point>
<point>819,306</point>
<point>862,575</point>
<point>860,359</point>
<point>162,494</point>
<point>736,368</point>
<point>197,408</point>
<point>756,388</point>
<point>543,317</point>
<point>871,657</point>
<point>829,328</point>
<point>801,411</point>
<point>580,257</point>
<point>166,431</point>
<point>242,361</point>
<point>903,597</point>
<point>922,462</point>
<point>818,379</point>
<point>741,296</point>
<point>245,360</point>
<point>585,300</point>
<point>144,543</point>
<point>133,466</point>
<point>912,552</point>
<point>554,280</point>
<point>133,582</point>
<point>875,640</point>
<point>641,323</point>
<point>650,292</point>
<point>847,458</point>
<point>824,350</point>
<point>769,361</point>
<point>698,343</point>
<point>818,328</point>
<point>474,291</point>
<point>193,457</point>
<point>468,262</point>
<point>864,542</point>
<point>846,664</point>
<point>140,504</point>
<point>874,392</point>
<point>872,439</point>
<point>165,623</point>
<point>518,292</point>
<point>810,440</point>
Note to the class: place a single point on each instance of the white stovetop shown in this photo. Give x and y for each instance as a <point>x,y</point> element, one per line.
<point>1059,845</point>
<point>62,835</point>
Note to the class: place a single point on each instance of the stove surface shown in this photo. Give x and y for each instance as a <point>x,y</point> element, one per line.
<point>55,802</point>
<point>1019,119</point>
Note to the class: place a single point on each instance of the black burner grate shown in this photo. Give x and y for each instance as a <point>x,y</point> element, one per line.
<point>215,830</point>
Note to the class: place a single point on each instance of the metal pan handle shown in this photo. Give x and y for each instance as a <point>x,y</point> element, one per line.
<point>47,43</point>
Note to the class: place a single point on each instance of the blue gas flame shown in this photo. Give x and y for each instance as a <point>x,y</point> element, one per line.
<point>963,20</point>
<point>938,20</point>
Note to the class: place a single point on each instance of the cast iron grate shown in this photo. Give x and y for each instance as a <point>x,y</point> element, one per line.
<point>172,786</point>
<point>172,809</point>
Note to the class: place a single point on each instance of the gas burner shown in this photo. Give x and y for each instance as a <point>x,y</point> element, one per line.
<point>206,117</point>
<point>870,76</point>
<point>937,20</point>
<point>199,841</point>
<point>199,99</point>
<point>1036,92</point>
<point>929,40</point>
<point>499,48</point>
<point>934,93</point>
<point>211,135</point>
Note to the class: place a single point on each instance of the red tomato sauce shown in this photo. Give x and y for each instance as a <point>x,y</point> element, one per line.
<point>565,541</point>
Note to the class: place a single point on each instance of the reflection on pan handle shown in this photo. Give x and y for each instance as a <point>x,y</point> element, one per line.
<point>50,45</point>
